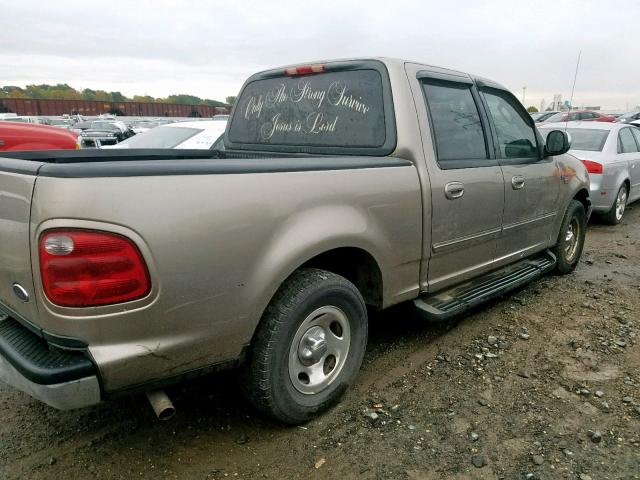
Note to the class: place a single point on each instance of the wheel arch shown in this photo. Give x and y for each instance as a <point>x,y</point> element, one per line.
<point>582,196</point>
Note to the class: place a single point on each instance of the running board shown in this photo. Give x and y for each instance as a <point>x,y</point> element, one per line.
<point>448,303</point>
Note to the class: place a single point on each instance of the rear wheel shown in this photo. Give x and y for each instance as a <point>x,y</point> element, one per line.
<point>613,216</point>
<point>570,243</point>
<point>308,347</point>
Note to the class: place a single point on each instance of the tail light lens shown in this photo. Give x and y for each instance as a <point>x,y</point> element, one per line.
<point>592,167</point>
<point>83,268</point>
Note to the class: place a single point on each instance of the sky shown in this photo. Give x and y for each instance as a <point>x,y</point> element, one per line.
<point>208,48</point>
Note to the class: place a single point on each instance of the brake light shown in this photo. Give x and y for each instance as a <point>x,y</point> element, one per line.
<point>304,70</point>
<point>592,167</point>
<point>82,268</point>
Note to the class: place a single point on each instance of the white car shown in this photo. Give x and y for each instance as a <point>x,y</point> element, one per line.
<point>201,135</point>
<point>611,153</point>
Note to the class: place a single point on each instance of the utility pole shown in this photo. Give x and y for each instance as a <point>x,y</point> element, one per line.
<point>524,89</point>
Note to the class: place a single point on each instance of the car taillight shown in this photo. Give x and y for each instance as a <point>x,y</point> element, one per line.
<point>304,70</point>
<point>83,268</point>
<point>592,167</point>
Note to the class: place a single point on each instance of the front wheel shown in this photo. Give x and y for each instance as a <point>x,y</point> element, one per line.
<point>308,347</point>
<point>613,216</point>
<point>570,243</point>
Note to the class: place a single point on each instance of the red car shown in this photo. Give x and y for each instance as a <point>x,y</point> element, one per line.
<point>581,115</point>
<point>28,136</point>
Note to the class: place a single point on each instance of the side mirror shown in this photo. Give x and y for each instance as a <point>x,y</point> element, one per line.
<point>558,142</point>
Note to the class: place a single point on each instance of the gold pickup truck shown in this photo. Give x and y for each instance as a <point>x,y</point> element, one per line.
<point>343,186</point>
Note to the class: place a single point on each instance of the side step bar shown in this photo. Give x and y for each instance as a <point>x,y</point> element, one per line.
<point>448,303</point>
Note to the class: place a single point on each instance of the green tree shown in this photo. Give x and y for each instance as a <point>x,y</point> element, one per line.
<point>230,100</point>
<point>88,94</point>
<point>532,109</point>
<point>12,92</point>
<point>65,91</point>
<point>117,97</point>
<point>143,98</point>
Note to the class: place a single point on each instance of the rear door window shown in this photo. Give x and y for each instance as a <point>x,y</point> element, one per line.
<point>626,142</point>
<point>344,110</point>
<point>455,122</point>
<point>636,133</point>
<point>514,129</point>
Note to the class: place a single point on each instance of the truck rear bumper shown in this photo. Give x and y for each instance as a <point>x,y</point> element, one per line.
<point>63,380</point>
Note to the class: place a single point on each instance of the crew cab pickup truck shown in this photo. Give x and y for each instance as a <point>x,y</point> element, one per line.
<point>344,186</point>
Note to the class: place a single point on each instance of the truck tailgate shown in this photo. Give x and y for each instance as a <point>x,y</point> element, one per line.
<point>17,180</point>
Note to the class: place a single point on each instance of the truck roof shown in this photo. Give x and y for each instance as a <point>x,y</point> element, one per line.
<point>391,63</point>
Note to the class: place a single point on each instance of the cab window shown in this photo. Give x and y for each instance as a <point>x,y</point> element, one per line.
<point>516,135</point>
<point>456,126</point>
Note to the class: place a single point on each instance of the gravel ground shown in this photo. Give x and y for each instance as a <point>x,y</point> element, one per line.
<point>542,384</point>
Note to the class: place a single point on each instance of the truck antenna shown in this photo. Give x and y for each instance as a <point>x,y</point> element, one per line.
<point>575,77</point>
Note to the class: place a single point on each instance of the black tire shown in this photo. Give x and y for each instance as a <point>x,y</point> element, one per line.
<point>568,254</point>
<point>611,217</point>
<point>266,378</point>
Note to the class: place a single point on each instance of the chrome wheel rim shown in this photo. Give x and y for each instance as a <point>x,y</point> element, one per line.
<point>571,239</point>
<point>319,350</point>
<point>621,203</point>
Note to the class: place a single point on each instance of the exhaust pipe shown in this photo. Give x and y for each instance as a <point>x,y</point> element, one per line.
<point>161,404</point>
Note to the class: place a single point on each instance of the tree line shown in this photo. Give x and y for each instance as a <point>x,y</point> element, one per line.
<point>62,91</point>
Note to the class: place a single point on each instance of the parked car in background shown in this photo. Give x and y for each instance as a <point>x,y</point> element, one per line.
<point>367,183</point>
<point>104,132</point>
<point>203,134</point>
<point>25,119</point>
<point>27,136</point>
<point>541,116</point>
<point>579,115</point>
<point>62,123</point>
<point>611,153</point>
<point>629,117</point>
<point>140,126</point>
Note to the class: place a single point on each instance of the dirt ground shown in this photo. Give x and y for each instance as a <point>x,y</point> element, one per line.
<point>542,384</point>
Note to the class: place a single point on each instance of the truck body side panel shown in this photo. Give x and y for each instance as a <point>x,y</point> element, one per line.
<point>15,258</point>
<point>218,246</point>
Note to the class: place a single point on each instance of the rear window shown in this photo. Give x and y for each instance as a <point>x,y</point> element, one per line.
<point>160,137</point>
<point>336,109</point>
<point>589,139</point>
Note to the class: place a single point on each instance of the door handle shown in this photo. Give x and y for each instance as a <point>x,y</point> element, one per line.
<point>1,143</point>
<point>517,182</point>
<point>453,190</point>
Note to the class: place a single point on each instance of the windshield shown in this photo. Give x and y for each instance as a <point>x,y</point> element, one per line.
<point>333,109</point>
<point>589,139</point>
<point>161,137</point>
<point>557,117</point>
<point>60,122</point>
<point>16,119</point>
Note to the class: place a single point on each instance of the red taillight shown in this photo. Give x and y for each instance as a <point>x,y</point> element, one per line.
<point>304,70</point>
<point>592,167</point>
<point>83,268</point>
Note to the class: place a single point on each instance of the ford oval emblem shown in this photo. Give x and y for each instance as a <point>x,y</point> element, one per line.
<point>20,292</point>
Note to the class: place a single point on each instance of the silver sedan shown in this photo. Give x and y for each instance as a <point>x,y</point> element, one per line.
<point>611,153</point>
